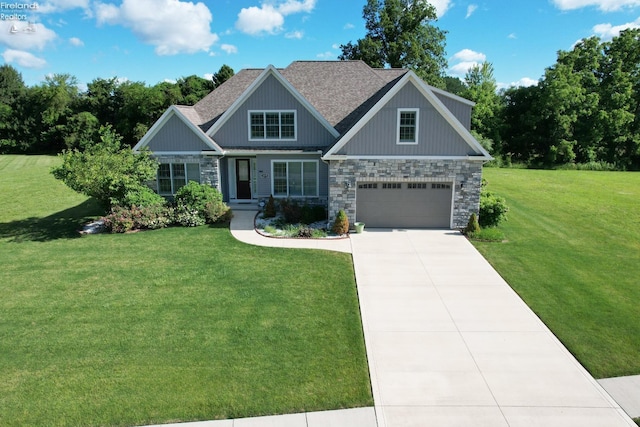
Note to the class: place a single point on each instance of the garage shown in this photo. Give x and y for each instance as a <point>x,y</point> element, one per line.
<point>404,204</point>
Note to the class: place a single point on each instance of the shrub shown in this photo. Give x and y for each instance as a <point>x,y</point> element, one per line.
<point>200,200</point>
<point>341,223</point>
<point>291,211</point>
<point>472,226</point>
<point>493,209</point>
<point>187,216</point>
<point>269,208</point>
<point>305,232</point>
<point>142,196</point>
<point>311,214</point>
<point>128,218</point>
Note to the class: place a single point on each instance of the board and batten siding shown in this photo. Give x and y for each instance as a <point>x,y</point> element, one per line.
<point>378,137</point>
<point>461,111</point>
<point>264,172</point>
<point>175,135</point>
<point>272,96</point>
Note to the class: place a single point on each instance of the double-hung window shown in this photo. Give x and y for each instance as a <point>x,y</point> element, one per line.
<point>408,122</point>
<point>294,178</point>
<point>267,125</point>
<point>173,176</point>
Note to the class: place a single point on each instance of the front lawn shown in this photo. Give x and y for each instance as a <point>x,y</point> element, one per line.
<point>179,324</point>
<point>573,254</point>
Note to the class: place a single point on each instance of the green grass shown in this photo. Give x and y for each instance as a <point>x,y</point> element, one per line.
<point>173,325</point>
<point>573,254</point>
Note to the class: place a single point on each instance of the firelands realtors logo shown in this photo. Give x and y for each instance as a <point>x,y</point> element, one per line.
<point>18,13</point>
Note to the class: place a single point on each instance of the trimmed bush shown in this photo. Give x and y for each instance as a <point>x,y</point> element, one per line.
<point>201,200</point>
<point>291,210</point>
<point>269,208</point>
<point>341,223</point>
<point>142,196</point>
<point>217,212</point>
<point>493,209</point>
<point>311,214</point>
<point>472,226</point>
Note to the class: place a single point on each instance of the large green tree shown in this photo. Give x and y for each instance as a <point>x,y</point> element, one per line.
<point>401,34</point>
<point>481,88</point>
<point>12,90</point>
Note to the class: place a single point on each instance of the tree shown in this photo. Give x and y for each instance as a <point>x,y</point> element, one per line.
<point>12,91</point>
<point>107,170</point>
<point>224,73</point>
<point>481,88</point>
<point>400,35</point>
<point>454,85</point>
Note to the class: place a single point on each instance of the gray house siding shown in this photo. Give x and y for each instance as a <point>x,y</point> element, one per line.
<point>271,95</point>
<point>461,111</point>
<point>209,168</point>
<point>176,136</point>
<point>378,137</point>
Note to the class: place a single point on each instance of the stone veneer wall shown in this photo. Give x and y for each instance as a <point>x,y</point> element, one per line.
<point>209,168</point>
<point>344,176</point>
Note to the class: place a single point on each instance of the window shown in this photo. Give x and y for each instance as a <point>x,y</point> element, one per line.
<point>391,186</point>
<point>408,126</point>
<point>417,186</point>
<point>441,186</point>
<point>294,178</point>
<point>265,125</point>
<point>368,186</point>
<point>173,176</point>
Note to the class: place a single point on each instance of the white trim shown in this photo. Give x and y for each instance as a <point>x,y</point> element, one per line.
<point>185,153</point>
<point>287,161</point>
<point>452,96</point>
<point>426,91</point>
<point>170,112</point>
<point>270,152</point>
<point>417,126</point>
<point>360,157</point>
<point>270,71</point>
<point>264,113</point>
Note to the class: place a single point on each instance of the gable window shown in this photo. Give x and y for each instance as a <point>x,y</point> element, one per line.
<point>173,176</point>
<point>294,178</point>
<point>266,125</point>
<point>408,121</point>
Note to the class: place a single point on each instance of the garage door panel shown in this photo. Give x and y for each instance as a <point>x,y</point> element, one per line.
<point>404,204</point>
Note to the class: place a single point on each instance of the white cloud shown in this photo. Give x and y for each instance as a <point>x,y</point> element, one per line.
<point>257,20</point>
<point>172,81</point>
<point>229,48</point>
<point>441,6</point>
<point>269,17</point>
<point>348,26</point>
<point>295,35</point>
<point>608,31</point>
<point>25,36</point>
<point>523,82</point>
<point>172,26</point>
<point>512,36</point>
<point>469,55</point>
<point>604,5</point>
<point>326,55</point>
<point>470,9</point>
<point>52,6</point>
<point>335,46</point>
<point>76,41</point>
<point>23,59</point>
<point>208,76</point>
<point>466,59</point>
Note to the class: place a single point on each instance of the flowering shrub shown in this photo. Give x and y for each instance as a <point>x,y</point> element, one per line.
<point>122,219</point>
<point>187,216</point>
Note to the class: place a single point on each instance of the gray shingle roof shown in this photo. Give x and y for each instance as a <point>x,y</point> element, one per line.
<point>341,91</point>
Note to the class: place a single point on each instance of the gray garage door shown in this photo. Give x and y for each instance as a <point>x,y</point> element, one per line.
<point>404,204</point>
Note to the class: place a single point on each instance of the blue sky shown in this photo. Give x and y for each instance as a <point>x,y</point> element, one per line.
<point>157,40</point>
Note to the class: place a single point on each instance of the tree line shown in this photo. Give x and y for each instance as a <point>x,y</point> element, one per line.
<point>56,115</point>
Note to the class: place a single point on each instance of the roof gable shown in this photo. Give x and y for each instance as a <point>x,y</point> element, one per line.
<point>269,71</point>
<point>186,115</point>
<point>410,78</point>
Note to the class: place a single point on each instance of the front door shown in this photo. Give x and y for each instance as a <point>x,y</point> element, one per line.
<point>243,178</point>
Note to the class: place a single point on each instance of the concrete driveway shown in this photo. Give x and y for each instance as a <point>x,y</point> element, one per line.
<point>450,344</point>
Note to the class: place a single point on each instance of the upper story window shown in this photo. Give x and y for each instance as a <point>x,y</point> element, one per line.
<point>408,122</point>
<point>277,125</point>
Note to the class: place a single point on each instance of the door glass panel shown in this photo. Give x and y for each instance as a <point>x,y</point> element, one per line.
<point>243,170</point>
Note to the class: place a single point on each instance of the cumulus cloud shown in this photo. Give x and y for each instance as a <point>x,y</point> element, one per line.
<point>23,59</point>
<point>608,31</point>
<point>470,9</point>
<point>326,55</point>
<point>441,6</point>
<point>512,36</point>
<point>229,48</point>
<point>523,82</point>
<point>172,26</point>
<point>348,26</point>
<point>52,6</point>
<point>604,5</point>
<point>269,17</point>
<point>25,36</point>
<point>466,58</point>
<point>76,41</point>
